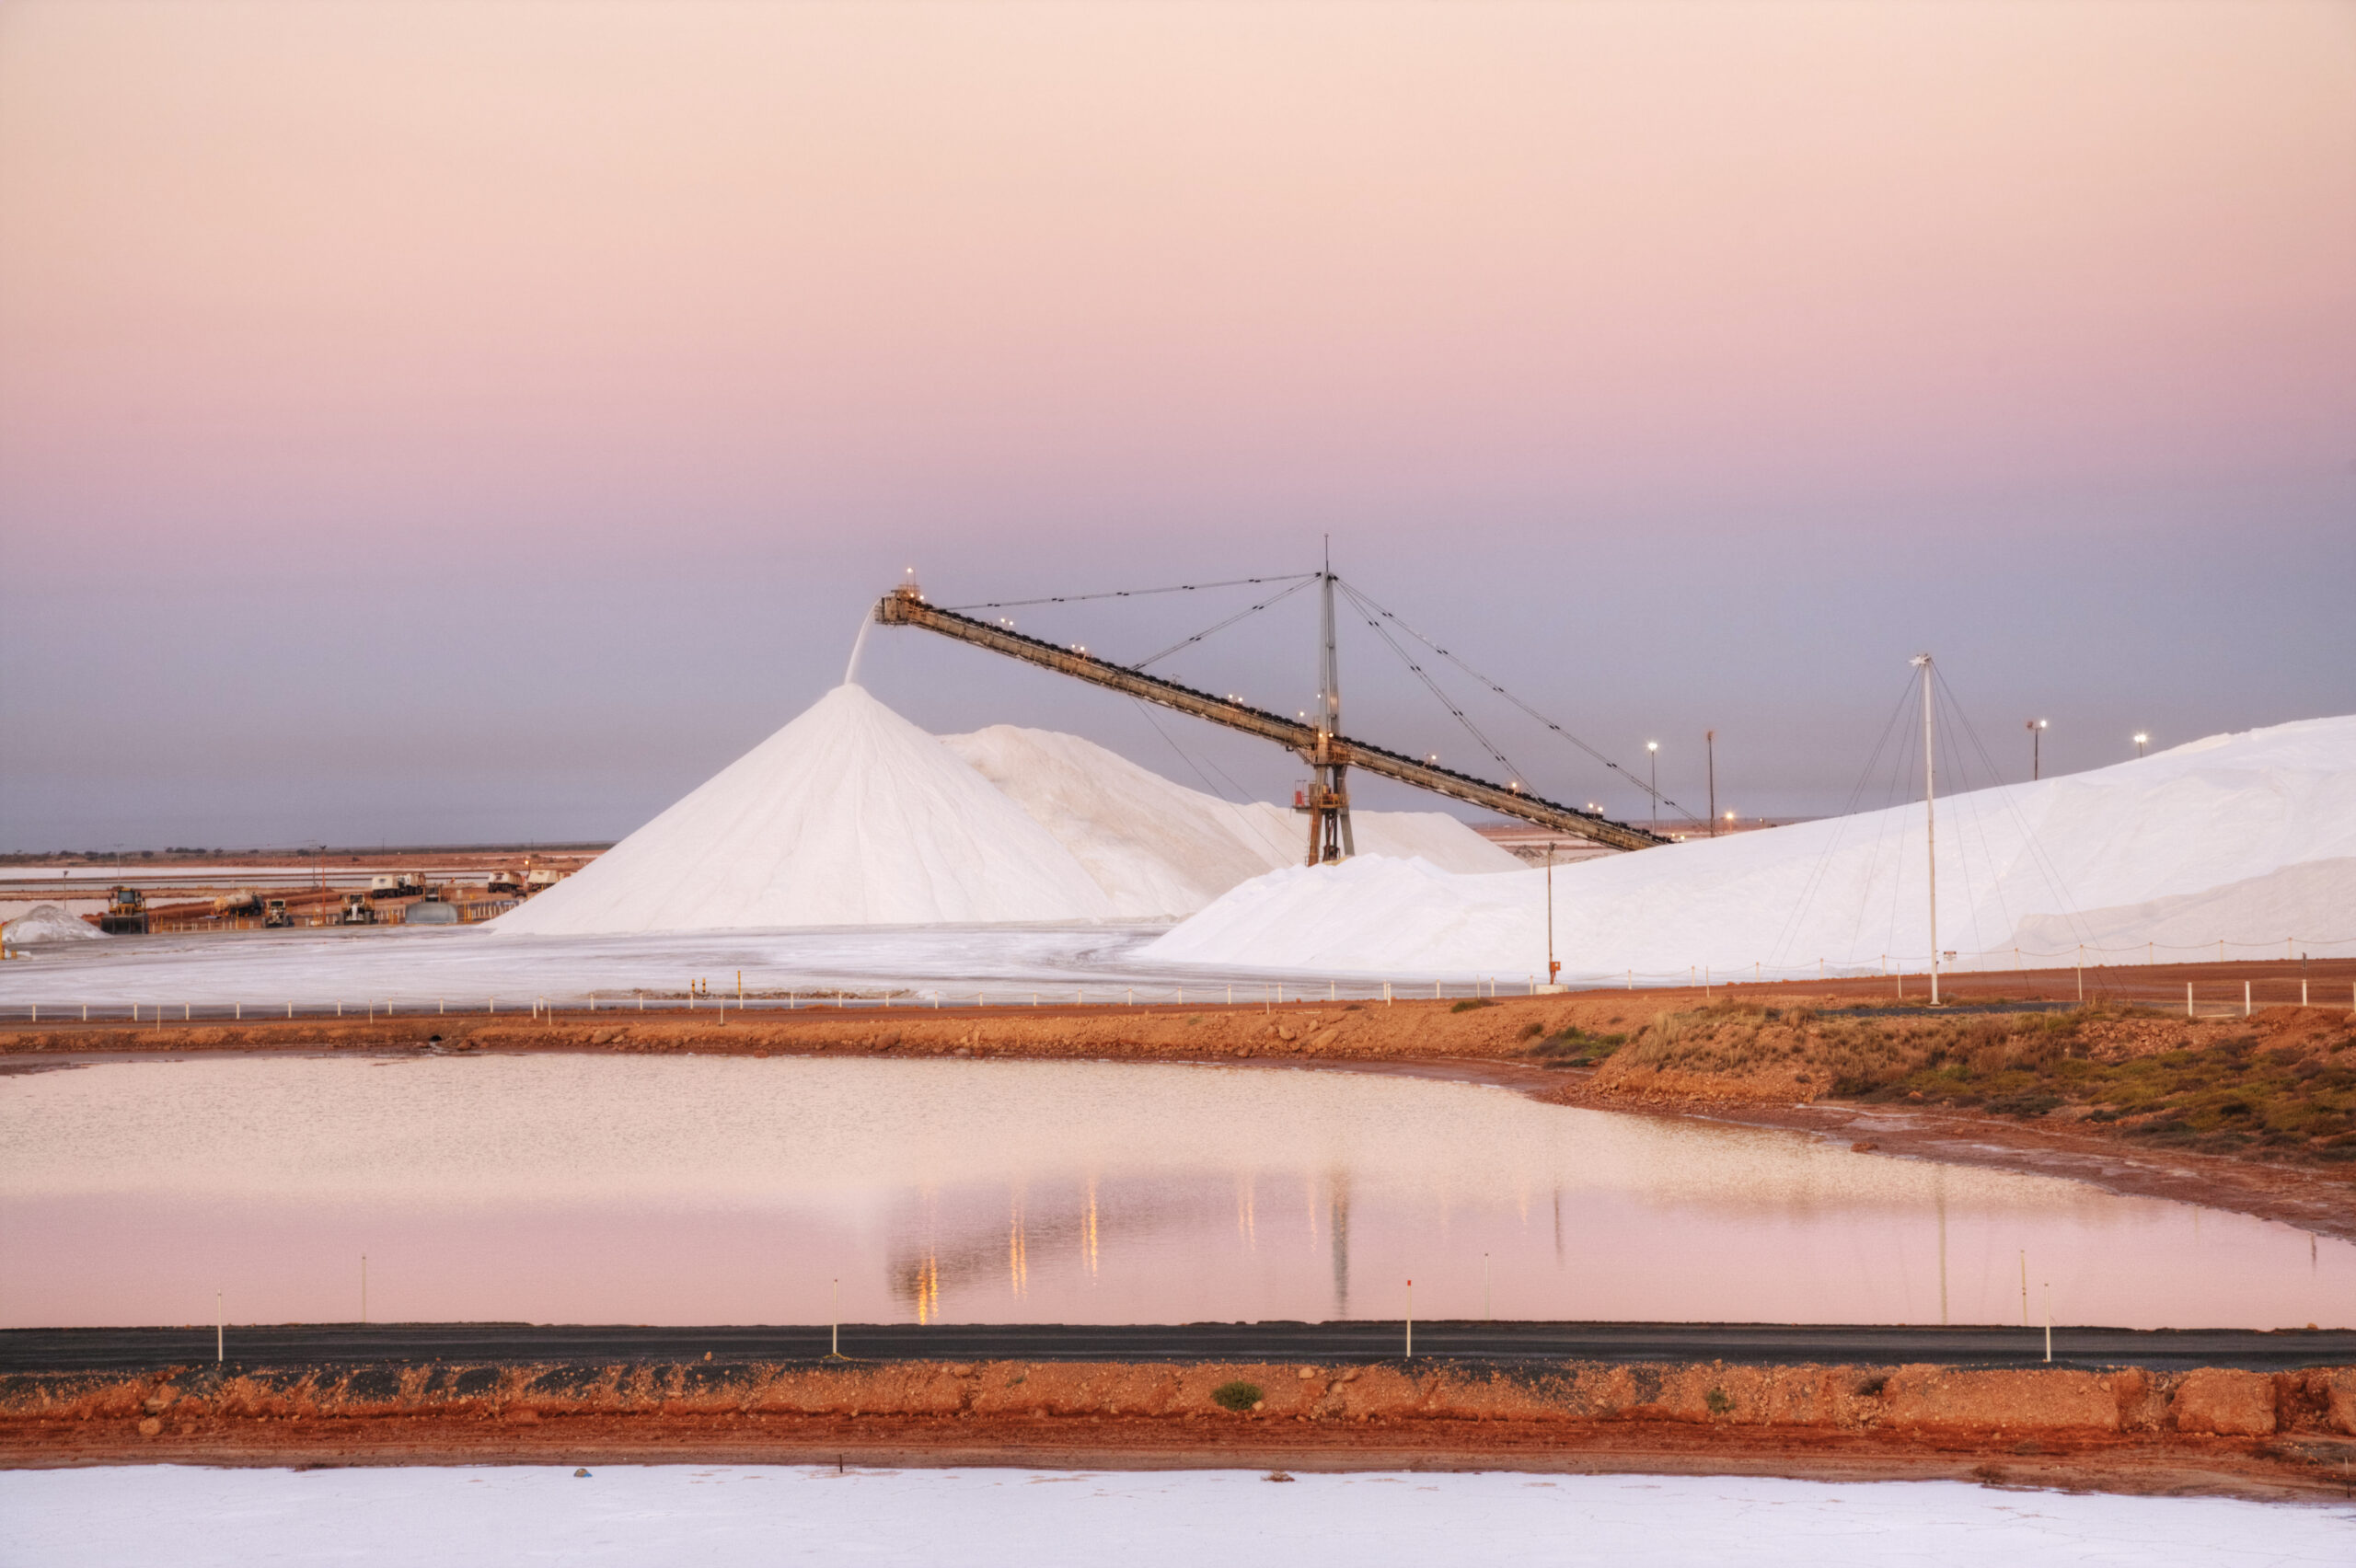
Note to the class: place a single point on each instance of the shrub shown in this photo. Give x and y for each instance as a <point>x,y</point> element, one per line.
<point>1238,1395</point>
<point>1718,1402</point>
<point>1468,1003</point>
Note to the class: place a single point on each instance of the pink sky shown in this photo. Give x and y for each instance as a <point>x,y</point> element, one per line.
<point>412,296</point>
<point>1626,250</point>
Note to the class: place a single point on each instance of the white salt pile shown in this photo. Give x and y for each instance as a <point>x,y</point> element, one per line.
<point>850,815</point>
<point>2248,839</point>
<point>46,923</point>
<point>1162,850</point>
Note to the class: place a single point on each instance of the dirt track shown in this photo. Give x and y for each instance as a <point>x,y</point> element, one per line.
<point>2270,1435</point>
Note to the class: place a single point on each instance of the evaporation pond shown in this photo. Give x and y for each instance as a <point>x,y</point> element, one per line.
<point>554,1188</point>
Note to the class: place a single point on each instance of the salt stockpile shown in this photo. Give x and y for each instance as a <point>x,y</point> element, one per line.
<point>45,923</point>
<point>2248,839</point>
<point>849,815</point>
<point>1162,850</point>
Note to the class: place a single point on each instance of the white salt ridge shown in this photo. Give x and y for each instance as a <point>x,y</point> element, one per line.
<point>1162,850</point>
<point>46,923</point>
<point>2248,837</point>
<point>852,816</point>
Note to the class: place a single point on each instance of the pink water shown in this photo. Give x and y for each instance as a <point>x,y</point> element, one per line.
<point>585,1189</point>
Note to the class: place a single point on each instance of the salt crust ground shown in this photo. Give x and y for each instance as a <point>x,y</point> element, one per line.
<point>465,964</point>
<point>719,1518</point>
<point>2251,837</point>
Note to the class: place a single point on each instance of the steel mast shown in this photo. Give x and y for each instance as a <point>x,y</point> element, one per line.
<point>1930,820</point>
<point>1329,797</point>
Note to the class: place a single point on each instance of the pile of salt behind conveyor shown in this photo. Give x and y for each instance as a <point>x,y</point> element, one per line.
<point>1160,850</point>
<point>850,815</point>
<point>2249,838</point>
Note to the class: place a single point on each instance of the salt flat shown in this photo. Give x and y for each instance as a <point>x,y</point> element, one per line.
<point>720,1516</point>
<point>467,965</point>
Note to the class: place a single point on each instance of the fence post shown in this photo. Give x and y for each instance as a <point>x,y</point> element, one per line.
<point>2245,998</point>
<point>2188,998</point>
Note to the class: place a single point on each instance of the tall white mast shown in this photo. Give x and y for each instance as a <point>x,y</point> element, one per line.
<point>1930,820</point>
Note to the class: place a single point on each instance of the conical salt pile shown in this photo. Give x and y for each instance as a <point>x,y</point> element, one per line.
<point>849,815</point>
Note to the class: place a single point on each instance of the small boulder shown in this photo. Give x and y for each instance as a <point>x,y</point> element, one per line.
<point>2230,1404</point>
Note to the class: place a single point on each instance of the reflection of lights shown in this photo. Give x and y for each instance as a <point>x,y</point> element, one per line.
<point>1247,1219</point>
<point>928,1289</point>
<point>1088,1233</point>
<point>1018,1259</point>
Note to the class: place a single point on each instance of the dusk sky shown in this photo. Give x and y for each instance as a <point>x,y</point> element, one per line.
<point>442,424</point>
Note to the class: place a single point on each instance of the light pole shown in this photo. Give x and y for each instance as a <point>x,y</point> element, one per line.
<point>1552,968</point>
<point>2140,742</point>
<point>1710,741</point>
<point>1652,748</point>
<point>2035,740</point>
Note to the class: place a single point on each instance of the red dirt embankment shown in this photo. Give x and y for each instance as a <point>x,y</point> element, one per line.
<point>2272,1434</point>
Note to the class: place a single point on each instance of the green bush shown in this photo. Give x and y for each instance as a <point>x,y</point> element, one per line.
<point>1468,1003</point>
<point>1238,1395</point>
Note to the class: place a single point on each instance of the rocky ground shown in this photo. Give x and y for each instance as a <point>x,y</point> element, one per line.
<point>2261,1435</point>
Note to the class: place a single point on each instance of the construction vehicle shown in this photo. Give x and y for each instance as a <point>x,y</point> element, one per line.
<point>126,912</point>
<point>276,915</point>
<point>506,880</point>
<point>406,884</point>
<point>541,881</point>
<point>244,901</point>
<point>356,911</point>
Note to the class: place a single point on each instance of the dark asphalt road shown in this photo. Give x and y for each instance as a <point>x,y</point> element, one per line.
<point>133,1350</point>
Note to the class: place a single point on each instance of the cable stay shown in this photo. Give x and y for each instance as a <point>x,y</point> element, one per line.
<point>1365,613</point>
<point>1304,578</point>
<point>1660,798</point>
<point>1222,626</point>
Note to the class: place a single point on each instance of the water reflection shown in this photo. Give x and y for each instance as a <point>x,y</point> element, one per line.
<point>702,1190</point>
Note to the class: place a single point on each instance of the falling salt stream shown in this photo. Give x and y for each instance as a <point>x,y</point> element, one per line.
<point>574,1187</point>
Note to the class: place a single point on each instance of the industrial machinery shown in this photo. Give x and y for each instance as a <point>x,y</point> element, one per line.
<point>126,912</point>
<point>506,879</point>
<point>408,884</point>
<point>542,879</point>
<point>431,910</point>
<point>276,915</point>
<point>244,901</point>
<point>356,910</point>
<point>1317,739</point>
